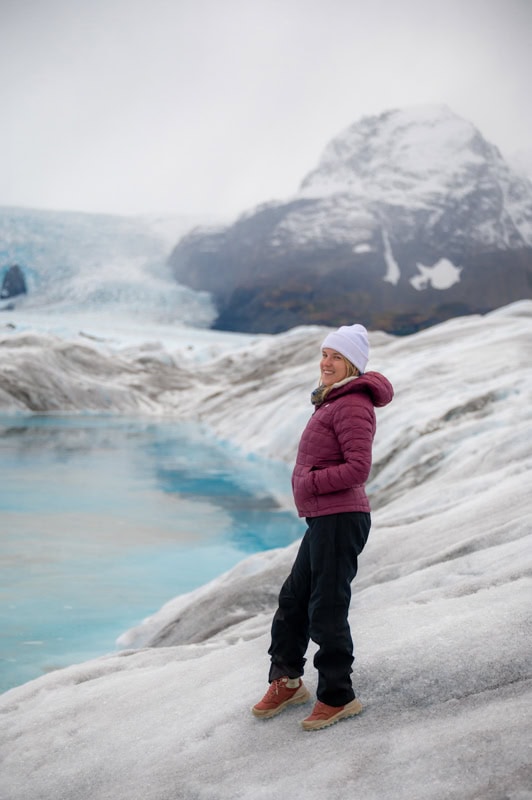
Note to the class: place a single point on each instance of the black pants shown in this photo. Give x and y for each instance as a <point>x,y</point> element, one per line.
<point>314,604</point>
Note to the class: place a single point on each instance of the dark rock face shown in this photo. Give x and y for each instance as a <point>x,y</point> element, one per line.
<point>409,219</point>
<point>13,284</point>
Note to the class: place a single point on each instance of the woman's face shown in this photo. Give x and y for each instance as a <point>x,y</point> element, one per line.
<point>333,367</point>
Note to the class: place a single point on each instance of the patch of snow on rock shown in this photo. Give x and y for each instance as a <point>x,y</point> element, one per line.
<point>441,275</point>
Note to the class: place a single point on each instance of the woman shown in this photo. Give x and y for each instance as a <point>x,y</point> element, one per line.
<point>332,466</point>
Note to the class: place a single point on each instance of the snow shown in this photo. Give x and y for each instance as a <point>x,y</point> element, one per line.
<point>338,219</point>
<point>418,160</point>
<point>442,275</point>
<point>394,272</point>
<point>441,605</point>
<point>399,147</point>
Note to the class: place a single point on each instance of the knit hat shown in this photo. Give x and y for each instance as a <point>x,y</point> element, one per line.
<point>351,341</point>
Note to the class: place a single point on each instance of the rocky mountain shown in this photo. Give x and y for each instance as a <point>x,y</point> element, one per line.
<point>410,217</point>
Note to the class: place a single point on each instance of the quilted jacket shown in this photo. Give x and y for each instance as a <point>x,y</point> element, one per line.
<point>334,455</point>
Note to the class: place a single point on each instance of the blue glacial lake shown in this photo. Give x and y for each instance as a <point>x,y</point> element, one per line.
<point>104,519</point>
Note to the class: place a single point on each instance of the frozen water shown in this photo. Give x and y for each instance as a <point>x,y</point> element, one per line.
<point>75,262</point>
<point>441,606</point>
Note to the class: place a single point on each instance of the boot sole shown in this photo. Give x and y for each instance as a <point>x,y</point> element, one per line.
<point>351,710</point>
<point>297,700</point>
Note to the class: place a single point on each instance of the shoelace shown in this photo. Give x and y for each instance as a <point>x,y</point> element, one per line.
<point>275,687</point>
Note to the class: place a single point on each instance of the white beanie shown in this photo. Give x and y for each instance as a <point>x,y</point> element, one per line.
<point>352,342</point>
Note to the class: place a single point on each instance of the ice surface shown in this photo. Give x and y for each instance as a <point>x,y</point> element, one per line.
<point>75,262</point>
<point>441,606</point>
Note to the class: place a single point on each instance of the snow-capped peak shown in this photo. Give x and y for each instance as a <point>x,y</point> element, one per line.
<point>398,151</point>
<point>419,158</point>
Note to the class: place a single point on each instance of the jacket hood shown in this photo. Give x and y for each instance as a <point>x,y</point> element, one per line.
<point>373,384</point>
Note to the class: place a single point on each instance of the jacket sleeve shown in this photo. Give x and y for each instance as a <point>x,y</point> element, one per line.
<point>354,427</point>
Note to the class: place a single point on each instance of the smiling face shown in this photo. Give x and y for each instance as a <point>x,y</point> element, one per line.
<point>333,366</point>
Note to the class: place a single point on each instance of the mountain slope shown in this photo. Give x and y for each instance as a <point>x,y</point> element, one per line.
<point>410,218</point>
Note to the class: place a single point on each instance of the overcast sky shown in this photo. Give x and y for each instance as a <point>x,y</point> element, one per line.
<point>213,106</point>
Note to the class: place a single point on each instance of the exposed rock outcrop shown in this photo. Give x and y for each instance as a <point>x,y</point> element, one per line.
<point>13,284</point>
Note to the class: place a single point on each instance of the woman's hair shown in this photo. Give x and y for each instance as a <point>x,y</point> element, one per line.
<point>352,372</point>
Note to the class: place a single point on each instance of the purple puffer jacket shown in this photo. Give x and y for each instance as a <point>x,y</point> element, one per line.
<point>334,456</point>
